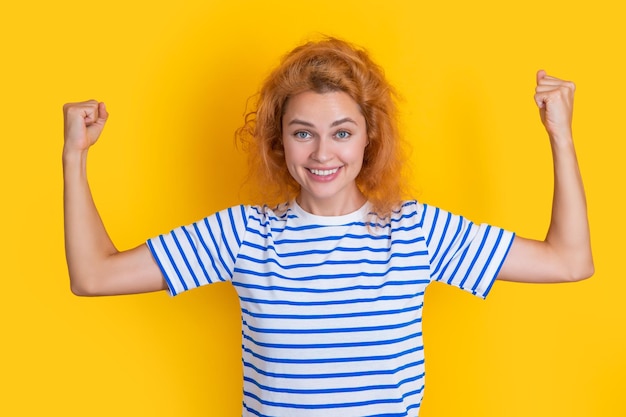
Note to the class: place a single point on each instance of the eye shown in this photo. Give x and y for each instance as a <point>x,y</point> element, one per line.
<point>302,134</point>
<point>342,134</point>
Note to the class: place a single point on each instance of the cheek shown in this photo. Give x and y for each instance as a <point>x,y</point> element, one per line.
<point>358,154</point>
<point>291,160</point>
<point>296,153</point>
<point>359,158</point>
<point>289,154</point>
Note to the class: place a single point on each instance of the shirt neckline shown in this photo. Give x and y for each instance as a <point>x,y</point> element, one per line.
<point>358,215</point>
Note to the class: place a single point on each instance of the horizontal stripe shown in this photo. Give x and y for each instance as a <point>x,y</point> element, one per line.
<point>404,414</point>
<point>334,360</point>
<point>333,329</point>
<point>334,390</point>
<point>304,253</point>
<point>250,273</point>
<point>347,236</point>
<point>329,290</point>
<point>330,302</point>
<point>331,316</point>
<point>362,261</point>
<point>334,405</point>
<point>383,372</point>
<point>332,345</point>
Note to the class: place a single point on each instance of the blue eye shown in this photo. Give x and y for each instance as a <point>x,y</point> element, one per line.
<point>342,134</point>
<point>302,134</point>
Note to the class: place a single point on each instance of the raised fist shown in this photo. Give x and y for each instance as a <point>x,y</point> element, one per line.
<point>83,123</point>
<point>555,98</point>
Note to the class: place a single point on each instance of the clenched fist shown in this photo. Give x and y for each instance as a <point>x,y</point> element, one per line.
<point>84,122</point>
<point>555,98</point>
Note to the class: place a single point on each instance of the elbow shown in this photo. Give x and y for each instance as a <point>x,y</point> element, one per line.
<point>84,287</point>
<point>584,273</point>
<point>574,265</point>
<point>89,279</point>
<point>79,290</point>
<point>581,271</point>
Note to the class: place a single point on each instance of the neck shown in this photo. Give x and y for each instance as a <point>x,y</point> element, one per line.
<point>331,207</point>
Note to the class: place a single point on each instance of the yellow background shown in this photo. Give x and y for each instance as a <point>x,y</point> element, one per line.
<point>176,77</point>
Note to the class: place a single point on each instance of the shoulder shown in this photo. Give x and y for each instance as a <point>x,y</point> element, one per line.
<point>406,212</point>
<point>279,212</point>
<point>259,216</point>
<point>408,209</point>
<point>422,214</point>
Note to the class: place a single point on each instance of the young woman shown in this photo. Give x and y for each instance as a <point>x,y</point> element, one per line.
<point>331,280</point>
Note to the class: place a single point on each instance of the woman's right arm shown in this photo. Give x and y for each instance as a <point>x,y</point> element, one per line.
<point>95,266</point>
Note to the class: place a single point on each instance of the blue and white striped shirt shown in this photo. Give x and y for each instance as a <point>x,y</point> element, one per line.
<point>332,308</point>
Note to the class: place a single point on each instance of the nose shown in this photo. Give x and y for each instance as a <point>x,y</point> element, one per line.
<point>322,151</point>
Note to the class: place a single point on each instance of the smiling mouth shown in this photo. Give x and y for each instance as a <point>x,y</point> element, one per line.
<point>324,172</point>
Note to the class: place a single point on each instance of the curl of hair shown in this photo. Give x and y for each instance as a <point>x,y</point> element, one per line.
<point>325,66</point>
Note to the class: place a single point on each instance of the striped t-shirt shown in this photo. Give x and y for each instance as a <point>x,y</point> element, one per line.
<point>332,306</point>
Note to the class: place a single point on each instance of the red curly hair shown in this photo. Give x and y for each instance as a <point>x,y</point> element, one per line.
<point>326,66</point>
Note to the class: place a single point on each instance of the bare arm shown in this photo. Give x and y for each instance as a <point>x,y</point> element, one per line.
<point>95,266</point>
<point>565,254</point>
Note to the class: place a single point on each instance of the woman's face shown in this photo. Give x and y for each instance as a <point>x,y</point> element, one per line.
<point>324,137</point>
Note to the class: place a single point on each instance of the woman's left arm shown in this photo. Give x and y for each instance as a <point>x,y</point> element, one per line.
<point>565,254</point>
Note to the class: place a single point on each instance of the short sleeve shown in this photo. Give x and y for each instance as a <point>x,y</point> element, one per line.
<point>200,253</point>
<point>464,254</point>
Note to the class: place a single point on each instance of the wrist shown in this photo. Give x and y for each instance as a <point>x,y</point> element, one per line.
<point>561,138</point>
<point>70,155</point>
<point>74,160</point>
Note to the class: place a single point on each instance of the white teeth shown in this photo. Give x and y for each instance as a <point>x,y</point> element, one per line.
<point>324,172</point>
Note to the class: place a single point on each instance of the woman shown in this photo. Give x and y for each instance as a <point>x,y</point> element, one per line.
<point>331,281</point>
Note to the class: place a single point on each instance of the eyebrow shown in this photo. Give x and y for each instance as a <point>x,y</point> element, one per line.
<point>333,124</point>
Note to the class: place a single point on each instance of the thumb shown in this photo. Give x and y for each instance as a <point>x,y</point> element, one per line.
<point>539,98</point>
<point>103,114</point>
<point>98,117</point>
<point>540,74</point>
<point>94,129</point>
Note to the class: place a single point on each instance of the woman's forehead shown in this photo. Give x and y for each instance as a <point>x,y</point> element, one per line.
<point>322,109</point>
